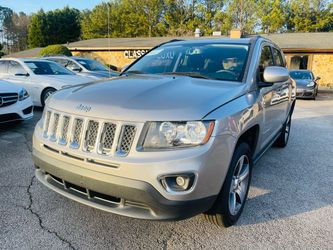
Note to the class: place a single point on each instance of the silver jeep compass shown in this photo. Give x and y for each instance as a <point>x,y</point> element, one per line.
<point>174,135</point>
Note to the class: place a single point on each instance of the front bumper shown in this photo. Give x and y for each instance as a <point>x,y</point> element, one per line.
<point>115,194</point>
<point>21,110</point>
<point>305,92</point>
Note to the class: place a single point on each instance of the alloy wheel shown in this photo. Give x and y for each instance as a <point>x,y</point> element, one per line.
<point>239,185</point>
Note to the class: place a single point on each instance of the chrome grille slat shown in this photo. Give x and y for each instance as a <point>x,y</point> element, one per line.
<point>47,123</point>
<point>126,140</point>
<point>91,135</point>
<point>95,136</point>
<point>77,133</point>
<point>54,127</point>
<point>64,130</point>
<point>107,138</point>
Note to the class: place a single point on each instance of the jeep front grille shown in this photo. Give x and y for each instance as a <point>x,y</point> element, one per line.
<point>127,136</point>
<point>107,138</point>
<point>89,135</point>
<point>77,133</point>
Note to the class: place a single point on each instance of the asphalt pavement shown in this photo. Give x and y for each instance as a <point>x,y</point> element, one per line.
<point>290,204</point>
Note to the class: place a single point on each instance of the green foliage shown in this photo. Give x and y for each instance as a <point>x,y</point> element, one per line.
<point>271,15</point>
<point>58,26</point>
<point>56,49</point>
<point>309,15</point>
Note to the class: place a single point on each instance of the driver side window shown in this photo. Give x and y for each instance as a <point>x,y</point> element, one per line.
<point>266,59</point>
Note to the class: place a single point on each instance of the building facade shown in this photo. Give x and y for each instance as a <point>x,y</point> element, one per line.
<point>313,51</point>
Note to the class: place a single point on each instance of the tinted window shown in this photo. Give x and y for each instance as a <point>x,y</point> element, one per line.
<point>47,68</point>
<point>3,67</point>
<point>14,67</point>
<point>278,58</point>
<point>266,59</point>
<point>92,65</point>
<point>62,62</point>
<point>301,75</point>
<point>215,61</point>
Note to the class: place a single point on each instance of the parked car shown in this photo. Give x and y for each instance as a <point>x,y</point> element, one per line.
<point>84,66</point>
<point>175,135</point>
<point>306,83</point>
<point>41,78</point>
<point>15,103</point>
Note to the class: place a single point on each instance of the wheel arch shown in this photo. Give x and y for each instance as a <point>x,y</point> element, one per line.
<point>43,92</point>
<point>250,136</point>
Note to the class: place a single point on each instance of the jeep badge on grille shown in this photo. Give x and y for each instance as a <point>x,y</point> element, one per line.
<point>84,108</point>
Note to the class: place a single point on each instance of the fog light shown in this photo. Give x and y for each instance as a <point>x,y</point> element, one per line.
<point>179,182</point>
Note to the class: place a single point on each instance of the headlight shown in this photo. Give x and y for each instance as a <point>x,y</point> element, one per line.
<point>23,95</point>
<point>177,134</point>
<point>311,84</point>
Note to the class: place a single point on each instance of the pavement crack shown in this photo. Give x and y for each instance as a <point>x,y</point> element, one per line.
<point>40,221</point>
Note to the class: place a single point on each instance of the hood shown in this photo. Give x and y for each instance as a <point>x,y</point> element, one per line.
<point>302,82</point>
<point>67,79</point>
<point>147,98</point>
<point>99,74</point>
<point>6,87</point>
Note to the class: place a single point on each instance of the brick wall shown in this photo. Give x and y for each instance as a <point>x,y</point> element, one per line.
<point>322,65</point>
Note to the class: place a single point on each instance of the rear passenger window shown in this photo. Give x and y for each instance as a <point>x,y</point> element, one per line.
<point>278,58</point>
<point>266,59</point>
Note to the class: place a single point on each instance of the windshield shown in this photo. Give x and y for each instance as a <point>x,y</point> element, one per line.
<point>304,75</point>
<point>92,65</point>
<point>47,68</point>
<point>211,61</point>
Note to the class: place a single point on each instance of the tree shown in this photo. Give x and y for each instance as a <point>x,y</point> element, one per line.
<point>242,14</point>
<point>52,27</point>
<point>209,13</point>
<point>309,15</point>
<point>271,15</point>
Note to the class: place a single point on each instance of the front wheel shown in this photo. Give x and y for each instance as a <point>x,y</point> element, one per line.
<point>231,200</point>
<point>46,94</point>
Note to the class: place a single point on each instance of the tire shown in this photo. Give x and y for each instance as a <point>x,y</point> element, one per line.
<point>45,94</point>
<point>283,139</point>
<point>231,200</point>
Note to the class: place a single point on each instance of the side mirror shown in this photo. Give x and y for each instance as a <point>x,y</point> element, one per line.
<point>317,78</point>
<point>77,69</point>
<point>275,74</point>
<point>21,73</point>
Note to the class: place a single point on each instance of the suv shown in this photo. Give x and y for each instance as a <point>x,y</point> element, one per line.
<point>175,135</point>
<point>84,66</point>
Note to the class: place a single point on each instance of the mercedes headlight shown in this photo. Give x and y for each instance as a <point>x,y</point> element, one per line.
<point>167,135</point>
<point>23,95</point>
<point>310,84</point>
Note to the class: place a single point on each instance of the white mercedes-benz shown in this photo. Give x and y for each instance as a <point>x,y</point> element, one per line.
<point>15,103</point>
<point>40,78</point>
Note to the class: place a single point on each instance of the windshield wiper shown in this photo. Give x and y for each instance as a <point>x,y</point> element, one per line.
<point>190,74</point>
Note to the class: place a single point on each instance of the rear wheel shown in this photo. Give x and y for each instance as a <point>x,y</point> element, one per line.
<point>283,139</point>
<point>231,200</point>
<point>46,93</point>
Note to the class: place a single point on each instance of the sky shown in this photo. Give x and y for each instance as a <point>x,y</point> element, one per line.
<point>30,6</point>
